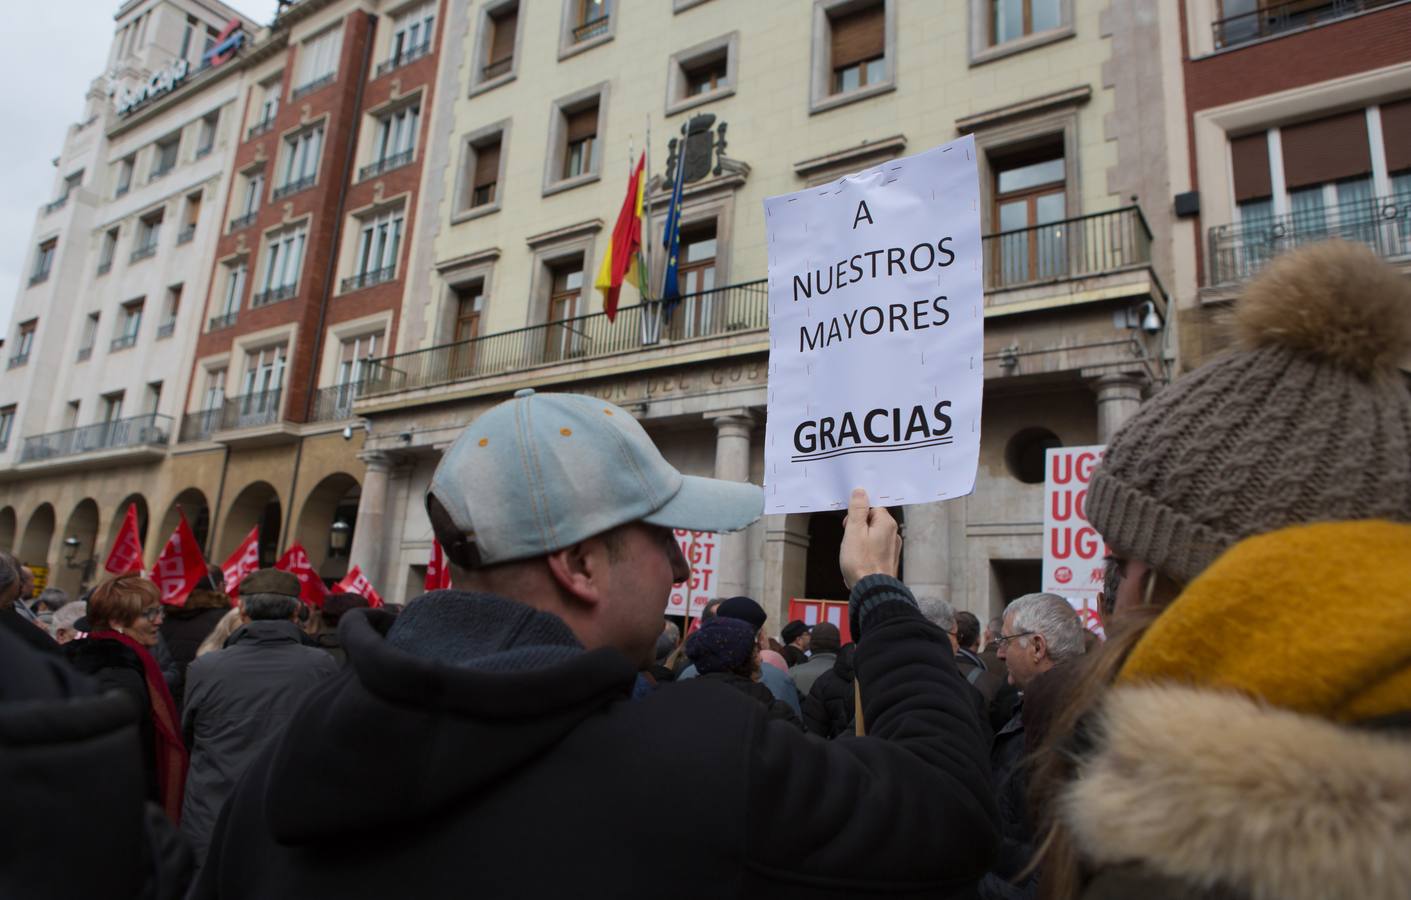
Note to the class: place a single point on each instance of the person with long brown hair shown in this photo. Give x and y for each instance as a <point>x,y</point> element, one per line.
<point>124,614</point>
<point>1224,742</point>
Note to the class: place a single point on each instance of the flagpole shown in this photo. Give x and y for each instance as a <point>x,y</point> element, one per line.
<point>644,283</point>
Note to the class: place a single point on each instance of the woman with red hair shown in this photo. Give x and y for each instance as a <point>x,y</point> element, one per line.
<point>123,618</point>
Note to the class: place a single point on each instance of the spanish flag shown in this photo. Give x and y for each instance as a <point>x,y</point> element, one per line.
<point>620,261</point>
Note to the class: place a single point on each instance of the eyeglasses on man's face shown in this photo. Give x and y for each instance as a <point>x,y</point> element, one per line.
<point>1004,639</point>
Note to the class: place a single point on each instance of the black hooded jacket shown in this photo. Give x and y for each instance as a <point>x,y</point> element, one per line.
<point>471,747</point>
<point>828,710</point>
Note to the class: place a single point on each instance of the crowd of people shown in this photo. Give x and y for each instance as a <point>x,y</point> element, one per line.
<point>540,730</point>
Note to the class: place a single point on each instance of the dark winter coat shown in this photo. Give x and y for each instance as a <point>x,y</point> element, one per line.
<point>185,627</point>
<point>26,631</point>
<point>805,675</point>
<point>239,698</point>
<point>793,656</point>
<point>778,709</point>
<point>512,764</point>
<point>829,708</point>
<point>116,667</point>
<point>71,764</point>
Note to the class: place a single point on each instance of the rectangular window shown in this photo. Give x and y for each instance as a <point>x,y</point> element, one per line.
<point>71,414</point>
<point>696,281</point>
<point>149,230</point>
<point>1011,20</point>
<point>394,140</point>
<point>125,167</point>
<point>24,343</point>
<point>301,157</point>
<point>284,257</point>
<point>215,388</point>
<point>44,261</point>
<point>1030,194</point>
<point>7,424</point>
<point>164,156</point>
<point>591,19</point>
<point>90,336</point>
<point>486,177</point>
<point>411,35</point>
<point>379,240</point>
<point>129,324</point>
<point>267,107</point>
<point>470,303</point>
<point>580,135</point>
<point>704,76</point>
<point>565,291</point>
<point>318,60</point>
<point>254,186</point>
<point>353,357</point>
<point>264,371</point>
<point>107,250</point>
<point>186,33</point>
<point>190,217</point>
<point>504,22</point>
<point>153,398</point>
<point>171,308</point>
<point>234,292</point>
<point>111,410</point>
<point>206,133</point>
<point>858,48</point>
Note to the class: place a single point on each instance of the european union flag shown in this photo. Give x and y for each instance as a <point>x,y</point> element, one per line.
<point>671,240</point>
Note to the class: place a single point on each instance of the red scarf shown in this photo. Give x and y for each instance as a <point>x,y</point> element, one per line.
<point>171,751</point>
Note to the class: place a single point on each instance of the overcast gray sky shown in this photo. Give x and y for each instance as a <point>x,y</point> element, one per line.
<point>50,50</point>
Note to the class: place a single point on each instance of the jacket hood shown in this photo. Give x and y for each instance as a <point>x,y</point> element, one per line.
<point>265,631</point>
<point>455,695</point>
<point>1216,789</point>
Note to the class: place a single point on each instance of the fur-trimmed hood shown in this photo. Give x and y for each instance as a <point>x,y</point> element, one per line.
<point>1215,789</point>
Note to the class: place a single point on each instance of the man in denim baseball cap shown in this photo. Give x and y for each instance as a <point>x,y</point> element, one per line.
<point>492,740</point>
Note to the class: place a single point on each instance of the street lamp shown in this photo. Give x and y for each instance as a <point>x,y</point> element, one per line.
<point>71,545</point>
<point>338,537</point>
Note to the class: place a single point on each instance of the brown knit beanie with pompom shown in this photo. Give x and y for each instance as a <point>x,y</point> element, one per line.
<point>1309,419</point>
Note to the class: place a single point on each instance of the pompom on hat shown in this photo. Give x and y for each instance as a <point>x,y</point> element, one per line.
<point>1307,419</point>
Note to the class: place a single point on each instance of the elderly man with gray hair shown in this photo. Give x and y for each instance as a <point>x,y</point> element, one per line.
<point>14,614</point>
<point>239,697</point>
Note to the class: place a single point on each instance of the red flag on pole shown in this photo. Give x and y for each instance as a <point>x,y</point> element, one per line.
<point>242,562</point>
<point>356,583</point>
<point>126,554</point>
<point>295,561</point>
<point>180,566</point>
<point>626,242</point>
<point>438,574</point>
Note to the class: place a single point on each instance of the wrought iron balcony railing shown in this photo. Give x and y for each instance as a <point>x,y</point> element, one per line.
<point>17,360</point>
<point>85,353</point>
<point>56,205</point>
<point>105,267</point>
<point>143,252</point>
<point>1276,18</point>
<point>122,342</point>
<point>259,128</point>
<point>166,330</point>
<point>368,279</point>
<point>386,164</point>
<point>1070,248</point>
<point>497,68</point>
<point>336,402</point>
<point>198,425</point>
<point>186,234</point>
<point>733,309</point>
<point>138,431</point>
<point>250,410</point>
<point>407,54</point>
<point>310,87</point>
<point>294,187</point>
<point>273,295</point>
<point>1238,251</point>
<point>591,28</point>
<point>244,221</point>
<point>39,277</point>
<point>203,152</point>
<point>224,321</point>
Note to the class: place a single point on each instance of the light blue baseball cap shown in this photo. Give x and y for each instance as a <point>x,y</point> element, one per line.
<point>541,472</point>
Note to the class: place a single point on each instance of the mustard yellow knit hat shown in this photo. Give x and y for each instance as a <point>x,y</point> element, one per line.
<point>1308,419</point>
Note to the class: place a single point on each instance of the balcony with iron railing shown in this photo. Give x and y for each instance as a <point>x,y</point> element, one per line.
<point>39,277</point>
<point>122,342</point>
<point>294,187</point>
<point>17,360</point>
<point>1078,247</point>
<point>204,151</point>
<point>199,425</point>
<point>723,312</point>
<point>496,68</point>
<point>85,353</point>
<point>591,29</point>
<point>251,410</point>
<point>145,251</point>
<point>273,295</point>
<point>244,221</point>
<point>166,330</point>
<point>56,205</point>
<point>386,164</point>
<point>306,89</point>
<point>259,128</point>
<point>399,59</point>
<point>222,321</point>
<point>145,431</point>
<point>105,267</point>
<point>367,279</point>
<point>1279,18</point>
<point>334,403</point>
<point>1235,252</point>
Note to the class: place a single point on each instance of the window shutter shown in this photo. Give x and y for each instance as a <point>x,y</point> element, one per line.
<point>1396,134</point>
<point>1326,150</point>
<point>487,164</point>
<point>502,43</point>
<point>1250,155</point>
<point>858,36</point>
<point>583,123</point>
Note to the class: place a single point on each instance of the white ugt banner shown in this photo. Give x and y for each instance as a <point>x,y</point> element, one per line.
<point>876,335</point>
<point>702,552</point>
<point>1073,550</point>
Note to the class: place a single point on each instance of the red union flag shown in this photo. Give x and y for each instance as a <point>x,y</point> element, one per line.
<point>242,562</point>
<point>295,561</point>
<point>355,582</point>
<point>438,574</point>
<point>180,566</point>
<point>126,554</point>
<point>702,551</point>
<point>1073,550</point>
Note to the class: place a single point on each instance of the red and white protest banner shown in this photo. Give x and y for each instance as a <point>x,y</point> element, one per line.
<point>702,552</point>
<point>1073,550</point>
<point>811,612</point>
<point>438,574</point>
<point>180,566</point>
<point>242,562</point>
<point>126,553</point>
<point>295,561</point>
<point>355,582</point>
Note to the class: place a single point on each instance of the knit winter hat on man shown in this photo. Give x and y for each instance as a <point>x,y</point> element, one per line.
<point>1307,419</point>
<point>721,644</point>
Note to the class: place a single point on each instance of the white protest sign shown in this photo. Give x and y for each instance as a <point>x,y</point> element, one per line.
<point>1073,550</point>
<point>876,334</point>
<point>702,552</point>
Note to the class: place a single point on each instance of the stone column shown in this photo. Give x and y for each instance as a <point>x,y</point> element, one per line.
<point>785,565</point>
<point>369,532</point>
<point>926,550</point>
<point>732,463</point>
<point>1118,397</point>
